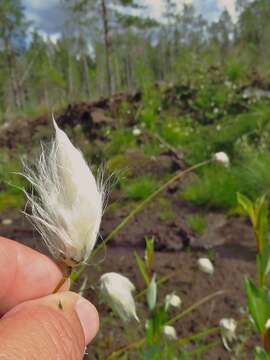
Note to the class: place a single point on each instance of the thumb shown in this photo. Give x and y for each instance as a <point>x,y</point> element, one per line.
<point>58,326</point>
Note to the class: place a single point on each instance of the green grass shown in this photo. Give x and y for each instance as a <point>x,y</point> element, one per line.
<point>198,223</point>
<point>236,70</point>
<point>151,103</point>
<point>216,187</point>
<point>141,187</point>
<point>172,133</point>
<point>212,96</point>
<point>201,141</point>
<point>244,137</point>
<point>121,140</point>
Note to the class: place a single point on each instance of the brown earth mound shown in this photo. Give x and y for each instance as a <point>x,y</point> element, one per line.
<point>91,116</point>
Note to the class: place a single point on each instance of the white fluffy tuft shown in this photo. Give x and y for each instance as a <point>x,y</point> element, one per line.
<point>169,332</point>
<point>68,204</point>
<point>206,266</point>
<point>222,158</point>
<point>228,332</point>
<point>172,300</point>
<point>117,290</point>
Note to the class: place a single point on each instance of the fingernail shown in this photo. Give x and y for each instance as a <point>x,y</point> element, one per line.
<point>88,317</point>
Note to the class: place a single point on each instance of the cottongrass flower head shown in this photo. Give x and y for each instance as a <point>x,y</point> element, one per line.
<point>172,300</point>
<point>136,131</point>
<point>228,332</point>
<point>66,201</point>
<point>206,266</point>
<point>222,158</point>
<point>169,332</point>
<point>117,291</point>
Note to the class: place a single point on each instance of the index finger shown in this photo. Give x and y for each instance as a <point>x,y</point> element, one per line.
<point>25,274</point>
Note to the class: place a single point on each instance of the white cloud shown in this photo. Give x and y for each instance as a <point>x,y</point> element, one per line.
<point>39,4</point>
<point>157,7</point>
<point>53,37</point>
<point>49,15</point>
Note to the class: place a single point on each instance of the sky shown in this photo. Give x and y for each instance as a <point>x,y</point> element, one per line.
<point>48,16</point>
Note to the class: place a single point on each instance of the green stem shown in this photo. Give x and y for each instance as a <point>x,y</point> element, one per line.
<point>159,282</point>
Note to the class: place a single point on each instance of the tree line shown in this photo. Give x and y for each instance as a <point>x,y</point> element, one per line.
<point>105,46</point>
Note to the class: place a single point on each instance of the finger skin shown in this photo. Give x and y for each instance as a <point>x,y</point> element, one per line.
<point>25,274</point>
<point>42,329</point>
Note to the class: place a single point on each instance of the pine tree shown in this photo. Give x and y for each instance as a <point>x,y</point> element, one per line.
<point>96,14</point>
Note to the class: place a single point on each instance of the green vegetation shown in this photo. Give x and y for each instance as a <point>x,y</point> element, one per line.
<point>120,141</point>
<point>152,148</point>
<point>141,187</point>
<point>258,293</point>
<point>11,184</point>
<point>217,187</point>
<point>198,223</point>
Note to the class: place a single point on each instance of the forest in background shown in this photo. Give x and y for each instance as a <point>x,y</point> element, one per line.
<point>104,48</point>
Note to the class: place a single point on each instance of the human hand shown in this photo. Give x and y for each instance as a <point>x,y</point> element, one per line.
<point>35,324</point>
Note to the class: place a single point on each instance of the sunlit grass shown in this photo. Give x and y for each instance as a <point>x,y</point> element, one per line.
<point>141,187</point>
<point>217,187</point>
